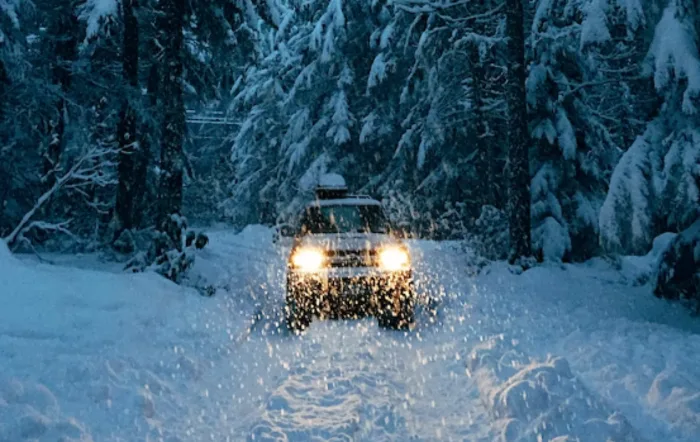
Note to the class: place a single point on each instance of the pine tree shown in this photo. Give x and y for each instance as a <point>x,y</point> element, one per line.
<point>57,119</point>
<point>656,185</point>
<point>446,61</point>
<point>581,65</point>
<point>399,124</point>
<point>306,96</point>
<point>518,137</point>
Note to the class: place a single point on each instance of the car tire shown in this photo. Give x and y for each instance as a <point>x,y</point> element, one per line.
<point>397,317</point>
<point>297,317</point>
<point>297,314</point>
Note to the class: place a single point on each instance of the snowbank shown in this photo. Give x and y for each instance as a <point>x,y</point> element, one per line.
<point>639,269</point>
<point>6,257</point>
<point>541,400</point>
<point>619,342</point>
<point>91,354</point>
<point>82,346</point>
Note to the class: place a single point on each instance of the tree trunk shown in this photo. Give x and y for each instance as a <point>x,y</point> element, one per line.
<point>150,130</point>
<point>518,136</point>
<point>171,152</point>
<point>486,184</point>
<point>65,48</point>
<point>132,158</point>
<point>149,127</point>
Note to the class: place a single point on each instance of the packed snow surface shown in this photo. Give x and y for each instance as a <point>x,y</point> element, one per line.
<point>559,352</point>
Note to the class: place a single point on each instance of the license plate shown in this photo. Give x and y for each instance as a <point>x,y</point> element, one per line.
<point>348,288</point>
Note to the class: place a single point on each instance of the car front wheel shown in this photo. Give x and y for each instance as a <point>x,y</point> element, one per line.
<point>297,313</point>
<point>397,311</point>
<point>297,317</point>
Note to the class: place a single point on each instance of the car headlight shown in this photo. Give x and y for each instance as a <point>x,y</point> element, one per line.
<point>394,258</point>
<point>308,259</point>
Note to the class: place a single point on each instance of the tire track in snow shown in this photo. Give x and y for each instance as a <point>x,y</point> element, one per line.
<point>341,380</point>
<point>352,381</point>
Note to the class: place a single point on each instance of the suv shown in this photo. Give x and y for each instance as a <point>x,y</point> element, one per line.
<point>346,262</point>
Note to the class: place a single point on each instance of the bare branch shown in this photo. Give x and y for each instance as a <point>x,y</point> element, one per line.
<point>85,171</point>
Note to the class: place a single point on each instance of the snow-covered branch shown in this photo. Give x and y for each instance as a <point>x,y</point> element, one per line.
<point>86,170</point>
<point>423,6</point>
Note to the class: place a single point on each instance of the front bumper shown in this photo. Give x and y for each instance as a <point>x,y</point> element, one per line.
<point>349,291</point>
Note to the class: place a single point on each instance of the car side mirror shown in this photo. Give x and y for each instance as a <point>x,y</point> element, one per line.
<point>402,232</point>
<point>282,231</point>
<point>286,231</point>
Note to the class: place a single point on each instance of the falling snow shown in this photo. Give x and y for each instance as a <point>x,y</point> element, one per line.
<point>560,351</point>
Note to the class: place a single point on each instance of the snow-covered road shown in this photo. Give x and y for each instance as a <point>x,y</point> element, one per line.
<point>559,351</point>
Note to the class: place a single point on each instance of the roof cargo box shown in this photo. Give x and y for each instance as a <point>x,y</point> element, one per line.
<point>331,186</point>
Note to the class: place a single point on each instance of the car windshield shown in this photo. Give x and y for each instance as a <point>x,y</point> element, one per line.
<point>344,219</point>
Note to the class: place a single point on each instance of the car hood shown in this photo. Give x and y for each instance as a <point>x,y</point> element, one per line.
<point>348,241</point>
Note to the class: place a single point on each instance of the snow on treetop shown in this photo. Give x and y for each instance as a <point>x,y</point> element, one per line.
<point>332,181</point>
<point>95,10</point>
<point>674,53</point>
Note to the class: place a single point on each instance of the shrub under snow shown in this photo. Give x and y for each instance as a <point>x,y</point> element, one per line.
<point>678,274</point>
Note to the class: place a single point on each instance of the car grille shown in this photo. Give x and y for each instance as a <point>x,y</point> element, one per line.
<point>352,258</point>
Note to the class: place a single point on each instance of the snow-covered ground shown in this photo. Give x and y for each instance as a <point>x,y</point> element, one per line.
<point>572,352</point>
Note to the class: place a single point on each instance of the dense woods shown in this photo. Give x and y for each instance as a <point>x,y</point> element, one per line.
<point>575,120</point>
